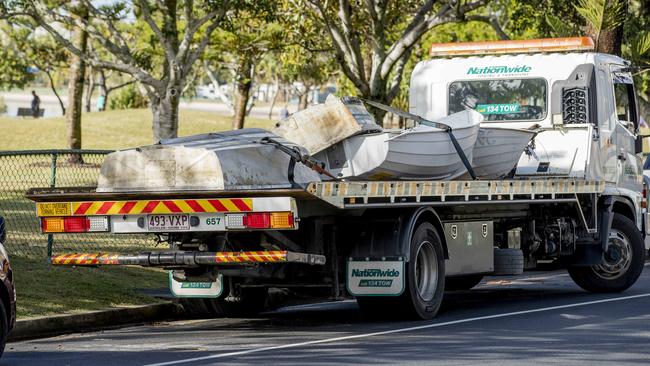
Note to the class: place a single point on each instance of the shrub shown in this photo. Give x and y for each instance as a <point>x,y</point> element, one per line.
<point>127,98</point>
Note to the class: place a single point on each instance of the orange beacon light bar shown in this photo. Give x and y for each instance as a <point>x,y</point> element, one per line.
<point>513,46</point>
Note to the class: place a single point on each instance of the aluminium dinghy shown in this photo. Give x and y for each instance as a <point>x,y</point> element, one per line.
<point>422,152</point>
<point>498,150</point>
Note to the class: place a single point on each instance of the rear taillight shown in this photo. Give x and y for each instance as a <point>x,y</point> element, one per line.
<point>74,224</point>
<point>260,220</point>
<point>644,201</point>
<point>282,220</point>
<point>52,225</point>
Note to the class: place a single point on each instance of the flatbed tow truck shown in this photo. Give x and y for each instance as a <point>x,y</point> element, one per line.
<point>575,200</point>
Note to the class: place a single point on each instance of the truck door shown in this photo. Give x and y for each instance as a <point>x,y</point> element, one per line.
<point>627,126</point>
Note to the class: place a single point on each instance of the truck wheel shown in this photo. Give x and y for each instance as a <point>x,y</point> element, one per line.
<point>425,281</point>
<point>425,274</point>
<point>460,283</point>
<point>622,263</point>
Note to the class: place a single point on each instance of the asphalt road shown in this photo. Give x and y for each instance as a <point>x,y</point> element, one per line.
<point>542,318</point>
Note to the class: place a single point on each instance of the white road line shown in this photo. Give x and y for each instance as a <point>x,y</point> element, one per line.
<point>393,331</point>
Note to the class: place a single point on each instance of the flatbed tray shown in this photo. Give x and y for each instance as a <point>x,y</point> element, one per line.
<point>431,193</point>
<point>89,194</point>
<point>362,193</point>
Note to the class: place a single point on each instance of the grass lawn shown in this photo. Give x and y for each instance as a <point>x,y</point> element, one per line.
<point>42,289</point>
<point>108,130</point>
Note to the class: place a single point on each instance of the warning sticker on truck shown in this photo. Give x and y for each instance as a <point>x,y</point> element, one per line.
<point>367,278</point>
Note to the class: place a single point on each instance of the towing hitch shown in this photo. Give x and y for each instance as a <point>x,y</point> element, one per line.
<point>182,258</point>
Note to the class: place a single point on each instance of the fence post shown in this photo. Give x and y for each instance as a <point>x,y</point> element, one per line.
<point>50,237</point>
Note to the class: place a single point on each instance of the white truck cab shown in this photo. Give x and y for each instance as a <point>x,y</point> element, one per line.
<point>581,103</point>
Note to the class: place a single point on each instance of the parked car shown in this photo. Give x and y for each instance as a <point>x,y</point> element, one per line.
<point>646,182</point>
<point>7,291</point>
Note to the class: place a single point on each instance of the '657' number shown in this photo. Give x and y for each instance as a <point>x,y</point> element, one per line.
<point>213,221</point>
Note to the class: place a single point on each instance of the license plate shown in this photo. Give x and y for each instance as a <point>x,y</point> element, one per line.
<point>168,222</point>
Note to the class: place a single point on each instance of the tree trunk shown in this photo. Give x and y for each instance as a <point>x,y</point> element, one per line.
<point>242,92</point>
<point>378,114</point>
<point>103,90</point>
<point>75,94</point>
<point>303,98</point>
<point>303,101</point>
<point>609,41</point>
<point>217,89</point>
<point>165,116</point>
<point>275,97</point>
<point>89,89</point>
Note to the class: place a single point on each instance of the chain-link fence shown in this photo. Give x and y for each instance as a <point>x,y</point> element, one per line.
<point>22,170</point>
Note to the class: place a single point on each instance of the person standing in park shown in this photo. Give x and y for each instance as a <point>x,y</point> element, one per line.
<point>36,104</point>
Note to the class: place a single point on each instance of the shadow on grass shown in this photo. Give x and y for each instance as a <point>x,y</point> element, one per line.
<point>43,289</point>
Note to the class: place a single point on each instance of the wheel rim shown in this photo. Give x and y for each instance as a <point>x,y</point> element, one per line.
<point>618,258</point>
<point>426,271</point>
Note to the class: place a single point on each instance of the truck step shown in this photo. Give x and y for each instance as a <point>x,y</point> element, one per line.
<point>182,258</point>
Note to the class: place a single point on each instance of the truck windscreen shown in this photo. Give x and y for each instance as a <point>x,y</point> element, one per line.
<point>500,100</point>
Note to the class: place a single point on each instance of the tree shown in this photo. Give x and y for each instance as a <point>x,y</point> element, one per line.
<point>76,85</point>
<point>105,90</point>
<point>26,49</point>
<point>13,67</point>
<point>605,21</point>
<point>13,64</point>
<point>241,45</point>
<point>307,69</point>
<point>180,33</point>
<point>374,60</point>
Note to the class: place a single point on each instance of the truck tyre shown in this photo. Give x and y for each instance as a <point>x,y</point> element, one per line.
<point>424,282</point>
<point>622,263</point>
<point>425,274</point>
<point>460,283</point>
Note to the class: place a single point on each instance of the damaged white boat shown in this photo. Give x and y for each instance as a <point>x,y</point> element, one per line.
<point>498,150</point>
<point>421,152</point>
<point>239,159</point>
<point>323,125</point>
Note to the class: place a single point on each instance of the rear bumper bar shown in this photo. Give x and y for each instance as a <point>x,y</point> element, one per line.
<point>181,258</point>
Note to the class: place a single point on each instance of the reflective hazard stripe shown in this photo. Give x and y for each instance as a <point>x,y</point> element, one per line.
<point>84,259</point>
<point>162,206</point>
<point>252,257</point>
<point>93,259</point>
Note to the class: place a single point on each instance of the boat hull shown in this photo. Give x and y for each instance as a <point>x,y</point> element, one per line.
<point>419,153</point>
<point>498,150</point>
<point>230,160</point>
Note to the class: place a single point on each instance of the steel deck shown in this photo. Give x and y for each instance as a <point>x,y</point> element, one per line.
<point>435,193</point>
